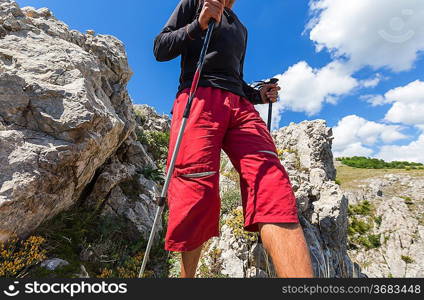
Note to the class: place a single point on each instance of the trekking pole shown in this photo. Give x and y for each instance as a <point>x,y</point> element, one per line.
<point>162,200</point>
<point>271,81</point>
<point>259,85</point>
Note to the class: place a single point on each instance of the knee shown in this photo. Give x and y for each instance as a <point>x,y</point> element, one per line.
<point>263,227</point>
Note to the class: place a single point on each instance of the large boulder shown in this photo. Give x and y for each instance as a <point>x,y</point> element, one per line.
<point>64,111</point>
<point>124,185</point>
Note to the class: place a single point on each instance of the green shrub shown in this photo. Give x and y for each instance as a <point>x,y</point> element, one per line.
<point>236,223</point>
<point>373,241</point>
<point>378,220</point>
<point>364,208</point>
<point>213,268</point>
<point>115,246</point>
<point>373,163</point>
<point>357,226</point>
<point>153,174</point>
<point>230,200</point>
<point>408,200</point>
<point>157,143</point>
<point>407,259</point>
<point>141,117</point>
<point>232,174</point>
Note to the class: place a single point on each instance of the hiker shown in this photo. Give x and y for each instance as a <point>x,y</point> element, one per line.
<point>223,116</point>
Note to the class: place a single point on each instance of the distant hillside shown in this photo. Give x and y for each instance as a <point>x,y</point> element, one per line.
<point>374,163</point>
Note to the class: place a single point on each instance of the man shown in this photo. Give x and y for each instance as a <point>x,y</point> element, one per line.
<point>223,117</point>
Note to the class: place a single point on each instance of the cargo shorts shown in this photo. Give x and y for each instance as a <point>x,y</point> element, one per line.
<point>219,120</point>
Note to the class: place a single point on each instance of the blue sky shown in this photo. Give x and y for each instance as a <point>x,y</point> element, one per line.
<point>361,80</point>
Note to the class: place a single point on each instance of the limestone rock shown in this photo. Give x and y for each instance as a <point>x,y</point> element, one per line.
<point>149,119</point>
<point>64,111</point>
<point>398,219</point>
<point>121,186</point>
<point>54,263</point>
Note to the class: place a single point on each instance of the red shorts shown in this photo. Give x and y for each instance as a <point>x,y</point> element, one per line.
<point>222,120</point>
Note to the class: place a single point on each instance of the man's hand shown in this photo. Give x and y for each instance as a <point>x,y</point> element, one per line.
<point>269,93</point>
<point>212,9</point>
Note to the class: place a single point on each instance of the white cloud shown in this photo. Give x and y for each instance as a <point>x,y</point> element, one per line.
<point>360,33</point>
<point>412,152</point>
<point>305,89</point>
<point>354,149</point>
<point>371,82</point>
<point>407,103</point>
<point>374,100</point>
<point>407,113</point>
<point>354,135</point>
<point>377,33</point>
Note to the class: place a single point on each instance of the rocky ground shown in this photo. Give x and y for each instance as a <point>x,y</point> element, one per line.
<point>386,231</point>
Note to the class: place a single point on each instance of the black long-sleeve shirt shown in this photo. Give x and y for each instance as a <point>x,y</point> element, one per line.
<point>223,67</point>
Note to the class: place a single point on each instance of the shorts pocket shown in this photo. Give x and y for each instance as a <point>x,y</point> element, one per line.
<point>195,171</point>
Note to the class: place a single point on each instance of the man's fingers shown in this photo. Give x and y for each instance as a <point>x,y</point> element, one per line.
<point>215,4</point>
<point>214,9</point>
<point>270,92</point>
<point>272,95</point>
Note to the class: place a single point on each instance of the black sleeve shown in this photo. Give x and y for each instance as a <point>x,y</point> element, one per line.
<point>252,94</point>
<point>179,29</point>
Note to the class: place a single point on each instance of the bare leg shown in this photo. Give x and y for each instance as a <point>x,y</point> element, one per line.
<point>189,261</point>
<point>286,245</point>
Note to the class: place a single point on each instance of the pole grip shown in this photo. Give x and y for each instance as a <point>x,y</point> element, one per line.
<point>271,81</point>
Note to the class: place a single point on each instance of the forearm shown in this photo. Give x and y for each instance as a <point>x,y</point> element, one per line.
<point>181,27</point>
<point>170,43</point>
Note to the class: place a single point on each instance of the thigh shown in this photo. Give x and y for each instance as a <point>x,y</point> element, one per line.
<point>267,194</point>
<point>204,133</point>
<point>193,195</point>
<point>247,136</point>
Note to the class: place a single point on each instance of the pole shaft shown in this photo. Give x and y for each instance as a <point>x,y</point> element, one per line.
<point>270,117</point>
<point>171,167</point>
<point>163,194</point>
